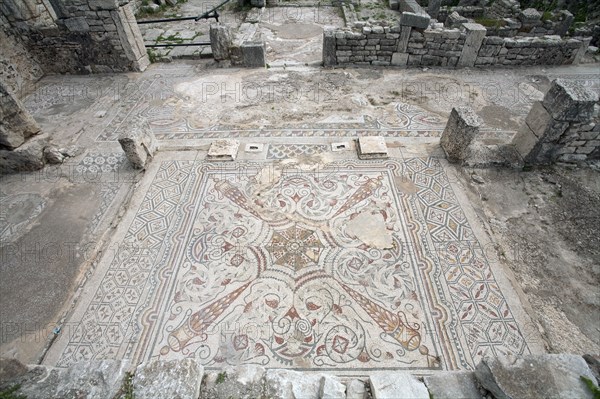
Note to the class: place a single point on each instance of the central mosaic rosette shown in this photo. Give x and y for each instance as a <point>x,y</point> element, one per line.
<point>295,248</point>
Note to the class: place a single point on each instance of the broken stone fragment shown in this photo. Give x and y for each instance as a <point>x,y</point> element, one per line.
<point>139,144</point>
<point>220,41</point>
<point>53,155</point>
<point>397,385</point>
<point>28,157</point>
<point>541,376</point>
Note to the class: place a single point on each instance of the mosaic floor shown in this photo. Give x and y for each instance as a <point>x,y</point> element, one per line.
<point>351,266</point>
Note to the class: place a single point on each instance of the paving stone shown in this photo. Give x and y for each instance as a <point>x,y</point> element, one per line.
<point>453,385</point>
<point>372,147</point>
<point>397,386</point>
<point>175,379</point>
<point>543,376</point>
<point>223,150</point>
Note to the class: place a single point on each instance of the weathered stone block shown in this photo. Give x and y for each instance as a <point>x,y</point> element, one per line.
<point>542,376</point>
<point>176,379</point>
<point>288,384</point>
<point>331,388</point>
<point>355,389</point>
<point>139,144</point>
<point>543,125</point>
<point>253,54</point>
<point>461,128</point>
<point>16,124</point>
<point>455,20</point>
<point>475,35</point>
<point>28,157</point>
<point>223,150</point>
<point>220,41</point>
<point>525,141</point>
<point>90,379</point>
<point>372,147</point>
<point>569,100</point>
<point>452,385</point>
<point>397,385</point>
<point>420,21</point>
<point>329,58</point>
<point>399,59</point>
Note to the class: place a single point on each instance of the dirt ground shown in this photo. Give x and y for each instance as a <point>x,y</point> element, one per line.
<point>545,222</point>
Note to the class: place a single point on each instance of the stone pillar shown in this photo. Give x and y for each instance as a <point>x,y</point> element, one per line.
<point>461,129</point>
<point>329,57</point>
<point>475,35</point>
<point>130,36</point>
<point>16,124</point>
<point>220,41</point>
<point>558,125</point>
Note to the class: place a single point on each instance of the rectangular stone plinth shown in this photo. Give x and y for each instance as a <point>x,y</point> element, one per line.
<point>253,54</point>
<point>462,127</point>
<point>372,148</point>
<point>223,150</point>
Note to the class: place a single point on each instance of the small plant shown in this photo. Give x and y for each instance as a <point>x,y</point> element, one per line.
<point>9,393</point>
<point>221,377</point>
<point>547,16</point>
<point>151,55</point>
<point>591,386</point>
<point>490,22</point>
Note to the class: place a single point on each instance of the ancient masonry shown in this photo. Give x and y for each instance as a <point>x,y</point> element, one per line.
<point>417,40</point>
<point>40,37</point>
<point>528,377</point>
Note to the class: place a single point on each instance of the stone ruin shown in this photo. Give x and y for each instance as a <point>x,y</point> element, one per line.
<point>451,37</point>
<point>563,127</point>
<point>525,377</point>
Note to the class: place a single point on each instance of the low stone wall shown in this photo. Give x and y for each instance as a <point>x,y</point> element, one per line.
<point>546,376</point>
<point>468,46</point>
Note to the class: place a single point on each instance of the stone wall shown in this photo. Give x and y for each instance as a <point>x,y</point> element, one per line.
<point>439,46</point>
<point>77,36</point>
<point>19,69</point>
<point>527,377</point>
<point>563,127</point>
